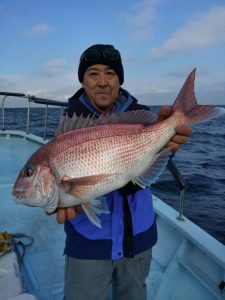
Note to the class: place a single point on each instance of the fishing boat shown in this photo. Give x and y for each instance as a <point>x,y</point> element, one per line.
<point>187,262</point>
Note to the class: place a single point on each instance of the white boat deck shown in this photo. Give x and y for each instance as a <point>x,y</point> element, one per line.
<point>187,262</point>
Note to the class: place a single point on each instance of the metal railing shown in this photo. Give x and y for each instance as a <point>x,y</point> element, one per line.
<point>30,99</point>
<point>181,184</point>
<point>171,166</point>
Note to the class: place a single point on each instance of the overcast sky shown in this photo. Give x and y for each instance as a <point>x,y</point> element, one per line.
<point>160,41</point>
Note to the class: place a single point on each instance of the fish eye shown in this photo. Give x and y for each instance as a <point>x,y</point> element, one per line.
<point>28,171</point>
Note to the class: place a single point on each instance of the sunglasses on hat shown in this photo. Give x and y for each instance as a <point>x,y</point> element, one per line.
<point>95,54</point>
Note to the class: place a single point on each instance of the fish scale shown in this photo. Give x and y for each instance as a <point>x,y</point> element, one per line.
<point>118,160</point>
<point>101,147</point>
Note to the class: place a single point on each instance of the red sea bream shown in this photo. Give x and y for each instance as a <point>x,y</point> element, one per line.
<point>83,164</point>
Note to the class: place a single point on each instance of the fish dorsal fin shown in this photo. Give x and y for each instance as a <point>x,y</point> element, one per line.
<point>130,117</point>
<point>68,124</point>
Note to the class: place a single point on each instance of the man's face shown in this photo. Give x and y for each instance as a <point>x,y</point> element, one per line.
<point>101,84</point>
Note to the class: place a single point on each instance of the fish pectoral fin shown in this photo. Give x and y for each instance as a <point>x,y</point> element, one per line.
<point>77,186</point>
<point>85,180</point>
<point>94,208</point>
<point>155,169</point>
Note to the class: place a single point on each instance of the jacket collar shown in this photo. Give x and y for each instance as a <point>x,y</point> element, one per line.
<point>121,104</point>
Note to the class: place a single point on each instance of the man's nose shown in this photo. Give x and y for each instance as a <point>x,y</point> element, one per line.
<point>102,80</point>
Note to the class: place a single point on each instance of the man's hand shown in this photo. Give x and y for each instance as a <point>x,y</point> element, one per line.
<point>182,132</point>
<point>67,213</point>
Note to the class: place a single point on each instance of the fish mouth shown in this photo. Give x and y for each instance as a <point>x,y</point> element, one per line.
<point>38,198</point>
<point>21,194</point>
<point>21,199</point>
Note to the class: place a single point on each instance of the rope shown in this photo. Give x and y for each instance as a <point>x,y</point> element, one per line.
<point>14,241</point>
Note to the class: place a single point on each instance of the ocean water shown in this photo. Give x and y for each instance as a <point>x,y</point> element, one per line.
<point>201,162</point>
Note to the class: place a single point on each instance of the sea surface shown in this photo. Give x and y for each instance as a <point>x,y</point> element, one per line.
<point>201,162</point>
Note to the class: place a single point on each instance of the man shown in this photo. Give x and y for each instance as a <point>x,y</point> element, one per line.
<point>119,253</point>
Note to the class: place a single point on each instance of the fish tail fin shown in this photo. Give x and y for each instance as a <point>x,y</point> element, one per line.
<point>186,103</point>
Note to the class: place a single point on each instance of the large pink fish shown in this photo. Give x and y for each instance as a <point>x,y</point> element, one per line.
<point>82,165</point>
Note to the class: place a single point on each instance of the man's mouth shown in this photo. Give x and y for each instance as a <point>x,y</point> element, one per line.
<point>102,93</point>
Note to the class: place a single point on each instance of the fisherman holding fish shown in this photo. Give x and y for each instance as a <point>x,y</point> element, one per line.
<point>96,174</point>
<point>118,253</point>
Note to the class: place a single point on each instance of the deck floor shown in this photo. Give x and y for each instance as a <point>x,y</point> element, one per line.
<point>44,261</point>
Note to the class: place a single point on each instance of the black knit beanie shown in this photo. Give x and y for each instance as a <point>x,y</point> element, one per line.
<point>115,64</point>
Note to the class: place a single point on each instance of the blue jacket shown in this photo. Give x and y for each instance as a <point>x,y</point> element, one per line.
<point>130,226</point>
